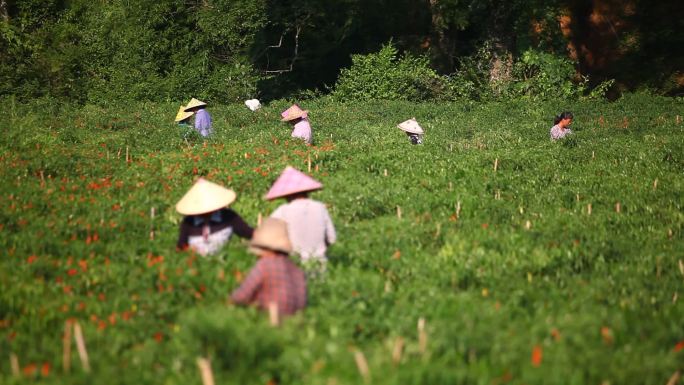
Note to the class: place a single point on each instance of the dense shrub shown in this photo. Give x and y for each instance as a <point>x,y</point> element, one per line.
<point>386,75</point>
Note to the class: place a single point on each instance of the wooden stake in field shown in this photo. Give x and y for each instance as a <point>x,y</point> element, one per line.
<point>458,209</point>
<point>681,267</point>
<point>496,164</point>
<point>127,158</point>
<point>308,161</point>
<point>152,224</point>
<point>655,184</point>
<point>80,345</point>
<point>42,179</point>
<point>422,336</point>
<point>205,371</point>
<point>385,172</point>
<point>66,347</point>
<point>14,363</point>
<point>679,119</point>
<point>618,207</point>
<point>397,350</point>
<point>593,156</point>
<point>589,209</point>
<point>674,379</point>
<point>528,225</point>
<point>273,315</point>
<point>399,212</point>
<point>362,365</point>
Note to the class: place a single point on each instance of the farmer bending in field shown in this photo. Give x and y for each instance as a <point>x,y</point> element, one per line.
<point>413,130</point>
<point>309,225</point>
<point>209,223</point>
<point>561,126</point>
<point>202,117</point>
<point>275,279</point>
<point>300,119</point>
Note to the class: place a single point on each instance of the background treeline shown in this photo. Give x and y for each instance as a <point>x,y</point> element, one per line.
<point>227,50</point>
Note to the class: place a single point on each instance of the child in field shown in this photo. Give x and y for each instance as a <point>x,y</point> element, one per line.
<point>202,117</point>
<point>561,126</point>
<point>413,130</point>
<point>209,223</point>
<point>309,225</point>
<point>275,279</point>
<point>300,119</point>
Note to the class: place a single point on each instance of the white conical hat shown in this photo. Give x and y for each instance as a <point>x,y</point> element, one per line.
<point>182,114</point>
<point>205,197</point>
<point>195,103</point>
<point>411,126</point>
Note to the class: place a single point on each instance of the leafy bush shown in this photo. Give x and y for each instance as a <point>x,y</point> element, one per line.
<point>385,75</point>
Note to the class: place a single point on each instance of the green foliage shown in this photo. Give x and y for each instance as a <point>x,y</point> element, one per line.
<point>544,75</point>
<point>386,76</point>
<point>500,263</point>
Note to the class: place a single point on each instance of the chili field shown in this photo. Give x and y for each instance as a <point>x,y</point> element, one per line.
<point>487,255</point>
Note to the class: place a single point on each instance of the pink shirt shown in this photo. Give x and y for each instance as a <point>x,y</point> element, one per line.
<point>302,130</point>
<point>557,132</point>
<point>309,226</point>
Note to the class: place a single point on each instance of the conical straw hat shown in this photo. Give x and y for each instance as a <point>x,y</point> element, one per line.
<point>272,234</point>
<point>411,126</point>
<point>292,181</point>
<point>182,114</point>
<point>293,113</point>
<point>205,197</point>
<point>195,103</point>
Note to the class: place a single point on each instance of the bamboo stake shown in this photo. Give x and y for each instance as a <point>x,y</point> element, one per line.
<point>152,224</point>
<point>308,161</point>
<point>589,209</point>
<point>127,158</point>
<point>681,267</point>
<point>655,184</point>
<point>66,347</point>
<point>397,350</point>
<point>205,371</point>
<point>674,297</point>
<point>362,365</point>
<point>80,345</point>
<point>399,212</point>
<point>273,316</point>
<point>593,155</point>
<point>496,164</point>
<point>617,207</point>
<point>385,172</point>
<point>528,225</point>
<point>674,379</point>
<point>118,154</point>
<point>14,363</point>
<point>458,209</point>
<point>422,335</point>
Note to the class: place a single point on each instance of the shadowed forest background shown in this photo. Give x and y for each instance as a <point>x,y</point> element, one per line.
<point>228,50</point>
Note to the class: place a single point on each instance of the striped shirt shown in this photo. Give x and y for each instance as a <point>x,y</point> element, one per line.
<point>273,279</point>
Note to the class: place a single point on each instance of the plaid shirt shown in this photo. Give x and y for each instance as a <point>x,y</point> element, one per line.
<point>273,279</point>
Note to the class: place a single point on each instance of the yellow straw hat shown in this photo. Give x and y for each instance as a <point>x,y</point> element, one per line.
<point>272,235</point>
<point>205,197</point>
<point>182,114</point>
<point>195,103</point>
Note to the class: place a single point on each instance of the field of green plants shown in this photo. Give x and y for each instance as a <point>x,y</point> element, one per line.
<point>529,262</point>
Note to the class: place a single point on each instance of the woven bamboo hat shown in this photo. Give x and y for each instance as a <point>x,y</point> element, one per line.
<point>204,197</point>
<point>411,126</point>
<point>182,114</point>
<point>272,235</point>
<point>292,113</point>
<point>195,103</point>
<point>292,181</point>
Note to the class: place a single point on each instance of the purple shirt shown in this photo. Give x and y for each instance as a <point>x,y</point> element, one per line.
<point>302,130</point>
<point>203,122</point>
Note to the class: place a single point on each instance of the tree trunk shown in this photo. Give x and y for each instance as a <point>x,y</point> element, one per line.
<point>3,11</point>
<point>444,58</point>
<point>502,38</point>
